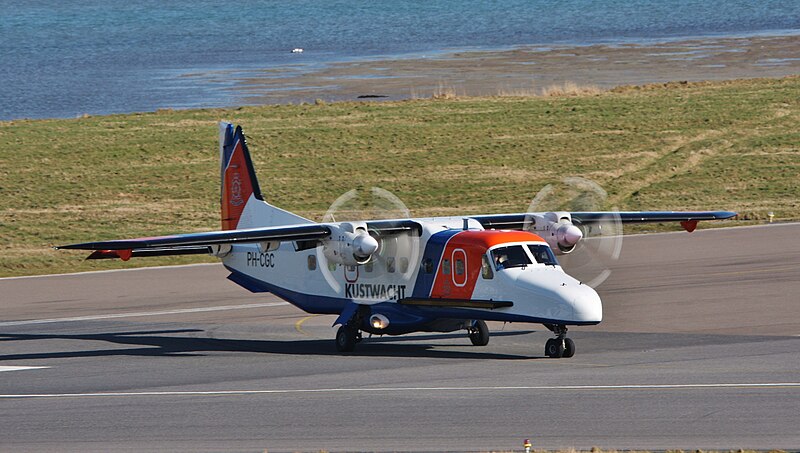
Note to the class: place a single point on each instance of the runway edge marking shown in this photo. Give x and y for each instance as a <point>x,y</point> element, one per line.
<point>140,314</point>
<point>768,385</point>
<point>21,368</point>
<point>110,271</point>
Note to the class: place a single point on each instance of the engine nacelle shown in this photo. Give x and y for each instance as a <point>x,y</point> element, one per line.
<point>349,244</point>
<point>557,229</point>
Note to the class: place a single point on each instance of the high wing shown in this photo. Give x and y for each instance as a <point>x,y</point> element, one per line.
<point>518,221</point>
<point>200,243</point>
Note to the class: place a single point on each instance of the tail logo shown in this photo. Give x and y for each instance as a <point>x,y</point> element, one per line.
<point>236,190</point>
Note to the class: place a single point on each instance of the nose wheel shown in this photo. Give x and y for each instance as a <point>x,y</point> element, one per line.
<point>561,346</point>
<point>557,349</point>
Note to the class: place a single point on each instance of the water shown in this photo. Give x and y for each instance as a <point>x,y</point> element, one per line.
<point>62,59</point>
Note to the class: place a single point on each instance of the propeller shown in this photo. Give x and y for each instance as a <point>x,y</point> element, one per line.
<point>357,255</point>
<point>588,251</point>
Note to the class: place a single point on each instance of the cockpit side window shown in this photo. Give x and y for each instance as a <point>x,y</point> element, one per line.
<point>542,254</point>
<point>427,265</point>
<point>510,256</point>
<point>486,268</point>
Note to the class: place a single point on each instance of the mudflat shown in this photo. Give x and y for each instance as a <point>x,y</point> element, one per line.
<point>525,70</point>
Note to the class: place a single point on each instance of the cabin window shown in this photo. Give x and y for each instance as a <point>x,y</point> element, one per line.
<point>368,267</point>
<point>486,269</point>
<point>312,262</point>
<point>510,256</point>
<point>403,264</point>
<point>459,266</point>
<point>427,265</point>
<point>446,266</point>
<point>543,254</point>
<point>390,264</point>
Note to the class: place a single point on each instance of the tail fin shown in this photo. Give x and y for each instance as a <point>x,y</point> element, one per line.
<point>239,181</point>
<point>242,205</point>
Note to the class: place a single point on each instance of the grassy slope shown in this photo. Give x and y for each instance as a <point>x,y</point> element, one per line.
<point>731,145</point>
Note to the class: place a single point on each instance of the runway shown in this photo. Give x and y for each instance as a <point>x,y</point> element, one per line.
<point>699,349</point>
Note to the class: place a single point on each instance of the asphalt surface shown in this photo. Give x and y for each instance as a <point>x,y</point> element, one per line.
<point>700,348</point>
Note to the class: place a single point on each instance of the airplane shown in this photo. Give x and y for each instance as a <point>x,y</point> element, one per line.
<point>397,276</point>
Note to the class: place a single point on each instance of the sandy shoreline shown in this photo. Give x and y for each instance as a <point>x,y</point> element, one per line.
<point>524,70</point>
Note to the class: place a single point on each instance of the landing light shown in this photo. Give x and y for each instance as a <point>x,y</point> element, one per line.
<point>379,321</point>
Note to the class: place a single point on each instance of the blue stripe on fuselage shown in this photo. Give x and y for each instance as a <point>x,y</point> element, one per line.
<point>433,251</point>
<point>310,303</point>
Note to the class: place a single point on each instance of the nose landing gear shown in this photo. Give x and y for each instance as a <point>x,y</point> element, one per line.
<point>561,346</point>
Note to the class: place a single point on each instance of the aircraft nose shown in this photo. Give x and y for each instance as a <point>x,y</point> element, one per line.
<point>587,305</point>
<point>558,296</point>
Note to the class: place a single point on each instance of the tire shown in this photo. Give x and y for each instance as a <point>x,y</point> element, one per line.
<point>569,347</point>
<point>554,348</point>
<point>479,336</point>
<point>345,339</point>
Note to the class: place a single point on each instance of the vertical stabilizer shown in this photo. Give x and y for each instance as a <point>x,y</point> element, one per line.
<point>239,181</point>
<point>241,202</point>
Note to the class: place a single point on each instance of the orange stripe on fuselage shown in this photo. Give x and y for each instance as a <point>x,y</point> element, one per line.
<point>474,245</point>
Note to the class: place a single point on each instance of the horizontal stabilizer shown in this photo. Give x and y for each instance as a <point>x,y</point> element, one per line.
<point>127,254</point>
<point>291,233</point>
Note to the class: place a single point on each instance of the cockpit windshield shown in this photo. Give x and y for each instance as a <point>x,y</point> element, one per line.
<point>510,256</point>
<point>542,254</point>
<point>518,256</point>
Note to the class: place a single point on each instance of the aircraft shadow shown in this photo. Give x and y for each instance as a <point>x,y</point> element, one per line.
<point>160,343</point>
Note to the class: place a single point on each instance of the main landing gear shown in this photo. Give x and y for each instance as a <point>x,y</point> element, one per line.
<point>346,338</point>
<point>349,334</point>
<point>478,333</point>
<point>561,346</point>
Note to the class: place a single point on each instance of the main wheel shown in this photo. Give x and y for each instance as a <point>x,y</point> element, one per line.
<point>346,339</point>
<point>569,347</point>
<point>554,348</point>
<point>479,334</point>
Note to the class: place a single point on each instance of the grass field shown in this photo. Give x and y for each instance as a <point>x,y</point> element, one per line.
<point>730,145</point>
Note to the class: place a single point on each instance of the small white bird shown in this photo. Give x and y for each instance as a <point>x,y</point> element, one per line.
<point>297,50</point>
